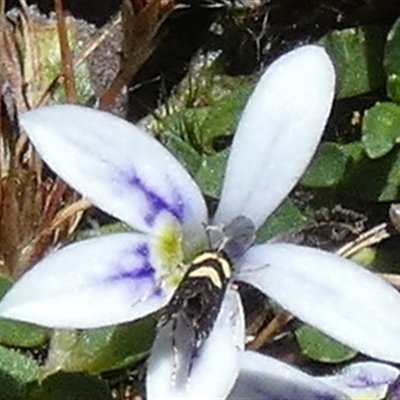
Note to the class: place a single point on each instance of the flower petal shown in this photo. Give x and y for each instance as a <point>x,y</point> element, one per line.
<point>277,134</point>
<point>88,284</point>
<point>213,369</point>
<point>335,295</point>
<point>263,377</point>
<point>364,380</point>
<point>121,169</point>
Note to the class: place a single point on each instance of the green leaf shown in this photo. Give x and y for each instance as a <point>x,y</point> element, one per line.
<point>110,348</point>
<point>17,365</point>
<point>11,389</point>
<point>288,216</point>
<point>16,370</point>
<point>211,174</point>
<point>371,180</point>
<point>358,58</point>
<point>327,168</point>
<point>69,386</point>
<point>198,128</point>
<point>381,129</point>
<point>189,157</point>
<point>184,125</point>
<point>19,334</point>
<point>319,347</point>
<point>223,116</point>
<point>392,62</point>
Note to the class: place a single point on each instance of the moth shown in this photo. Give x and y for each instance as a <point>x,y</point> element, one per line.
<point>199,295</point>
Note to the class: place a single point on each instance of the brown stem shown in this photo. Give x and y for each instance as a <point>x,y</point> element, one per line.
<point>66,56</point>
<point>270,331</point>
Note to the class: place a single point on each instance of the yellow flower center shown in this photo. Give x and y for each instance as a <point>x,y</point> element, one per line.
<point>174,248</point>
<point>170,253</point>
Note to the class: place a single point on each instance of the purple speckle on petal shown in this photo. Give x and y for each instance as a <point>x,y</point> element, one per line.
<point>155,202</point>
<point>326,397</point>
<point>135,266</point>
<point>252,386</point>
<point>158,292</point>
<point>366,380</point>
<point>143,250</point>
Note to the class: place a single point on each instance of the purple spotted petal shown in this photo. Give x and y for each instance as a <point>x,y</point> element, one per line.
<point>213,370</point>
<point>121,169</point>
<point>364,380</point>
<point>331,293</point>
<point>93,283</point>
<point>263,377</point>
<point>277,134</point>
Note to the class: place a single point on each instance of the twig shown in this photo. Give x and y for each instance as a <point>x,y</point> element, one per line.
<point>81,57</point>
<point>270,331</point>
<point>141,22</point>
<point>366,239</point>
<point>66,56</point>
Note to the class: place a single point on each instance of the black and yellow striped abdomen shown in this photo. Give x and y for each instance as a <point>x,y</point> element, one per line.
<point>199,296</point>
<point>200,293</point>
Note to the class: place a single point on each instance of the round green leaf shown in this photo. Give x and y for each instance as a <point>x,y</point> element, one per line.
<point>69,386</point>
<point>322,348</point>
<point>110,348</point>
<point>211,173</point>
<point>327,168</point>
<point>392,62</point>
<point>17,365</point>
<point>16,370</point>
<point>393,87</point>
<point>381,129</point>
<point>288,216</point>
<point>358,57</point>
<point>19,334</point>
<point>371,180</point>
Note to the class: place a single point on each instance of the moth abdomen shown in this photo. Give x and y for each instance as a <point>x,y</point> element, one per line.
<point>200,294</point>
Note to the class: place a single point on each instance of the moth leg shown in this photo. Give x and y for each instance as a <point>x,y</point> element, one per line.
<point>175,351</point>
<point>215,236</point>
<point>158,286</point>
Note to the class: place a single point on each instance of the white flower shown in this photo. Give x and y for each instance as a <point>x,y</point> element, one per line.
<point>263,378</point>
<point>126,276</point>
<point>364,380</point>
